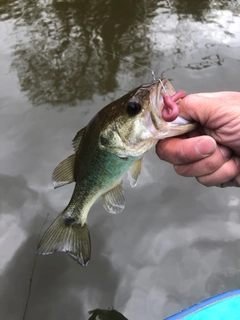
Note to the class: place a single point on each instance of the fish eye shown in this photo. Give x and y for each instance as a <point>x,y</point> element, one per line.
<point>133,108</point>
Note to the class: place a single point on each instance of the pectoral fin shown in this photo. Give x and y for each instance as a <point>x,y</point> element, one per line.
<point>77,139</point>
<point>113,200</point>
<point>134,172</point>
<point>64,173</point>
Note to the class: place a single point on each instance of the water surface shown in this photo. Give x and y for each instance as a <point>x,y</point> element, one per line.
<point>176,242</point>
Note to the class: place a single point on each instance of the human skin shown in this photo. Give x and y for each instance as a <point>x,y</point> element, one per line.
<point>211,153</point>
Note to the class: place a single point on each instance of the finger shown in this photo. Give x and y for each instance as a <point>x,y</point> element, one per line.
<point>184,151</point>
<point>220,95</point>
<point>235,181</point>
<point>205,166</point>
<point>227,172</point>
<point>205,107</point>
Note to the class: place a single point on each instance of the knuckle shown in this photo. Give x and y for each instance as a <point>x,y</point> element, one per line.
<point>211,166</point>
<point>180,169</point>
<point>182,156</point>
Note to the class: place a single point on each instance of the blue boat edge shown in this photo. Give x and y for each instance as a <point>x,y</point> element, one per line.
<point>212,301</point>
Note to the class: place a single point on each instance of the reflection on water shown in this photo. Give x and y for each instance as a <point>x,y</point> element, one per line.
<point>197,9</point>
<point>177,242</point>
<point>64,57</point>
<point>61,54</point>
<point>106,315</point>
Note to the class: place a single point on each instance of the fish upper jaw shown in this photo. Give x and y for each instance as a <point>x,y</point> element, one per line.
<point>155,107</point>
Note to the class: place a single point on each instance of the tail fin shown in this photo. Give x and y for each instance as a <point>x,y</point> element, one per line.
<point>67,236</point>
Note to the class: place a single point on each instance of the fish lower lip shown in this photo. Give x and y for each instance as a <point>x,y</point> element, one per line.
<point>180,121</point>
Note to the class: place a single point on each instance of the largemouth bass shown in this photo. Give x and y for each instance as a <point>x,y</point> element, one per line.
<point>113,142</point>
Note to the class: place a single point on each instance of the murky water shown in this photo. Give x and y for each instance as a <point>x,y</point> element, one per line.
<point>176,242</point>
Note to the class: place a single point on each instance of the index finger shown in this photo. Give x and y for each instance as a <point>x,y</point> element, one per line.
<point>207,108</point>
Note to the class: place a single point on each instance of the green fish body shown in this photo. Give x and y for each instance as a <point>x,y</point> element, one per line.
<point>113,143</point>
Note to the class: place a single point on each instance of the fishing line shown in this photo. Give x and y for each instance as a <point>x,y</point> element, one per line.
<point>125,60</point>
<point>137,64</point>
<point>163,86</point>
<point>33,270</point>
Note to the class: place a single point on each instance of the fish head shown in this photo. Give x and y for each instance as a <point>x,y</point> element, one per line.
<point>133,124</point>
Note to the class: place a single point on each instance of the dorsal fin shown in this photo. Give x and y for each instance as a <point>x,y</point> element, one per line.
<point>77,139</point>
<point>134,172</point>
<point>113,200</point>
<point>64,173</point>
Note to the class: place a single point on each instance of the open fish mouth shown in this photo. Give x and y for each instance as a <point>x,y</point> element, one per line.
<point>165,88</point>
<point>178,125</point>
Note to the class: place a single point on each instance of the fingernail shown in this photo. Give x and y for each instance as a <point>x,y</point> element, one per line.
<point>226,152</point>
<point>206,146</point>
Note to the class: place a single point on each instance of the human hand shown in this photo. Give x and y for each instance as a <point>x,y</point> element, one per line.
<point>211,153</point>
